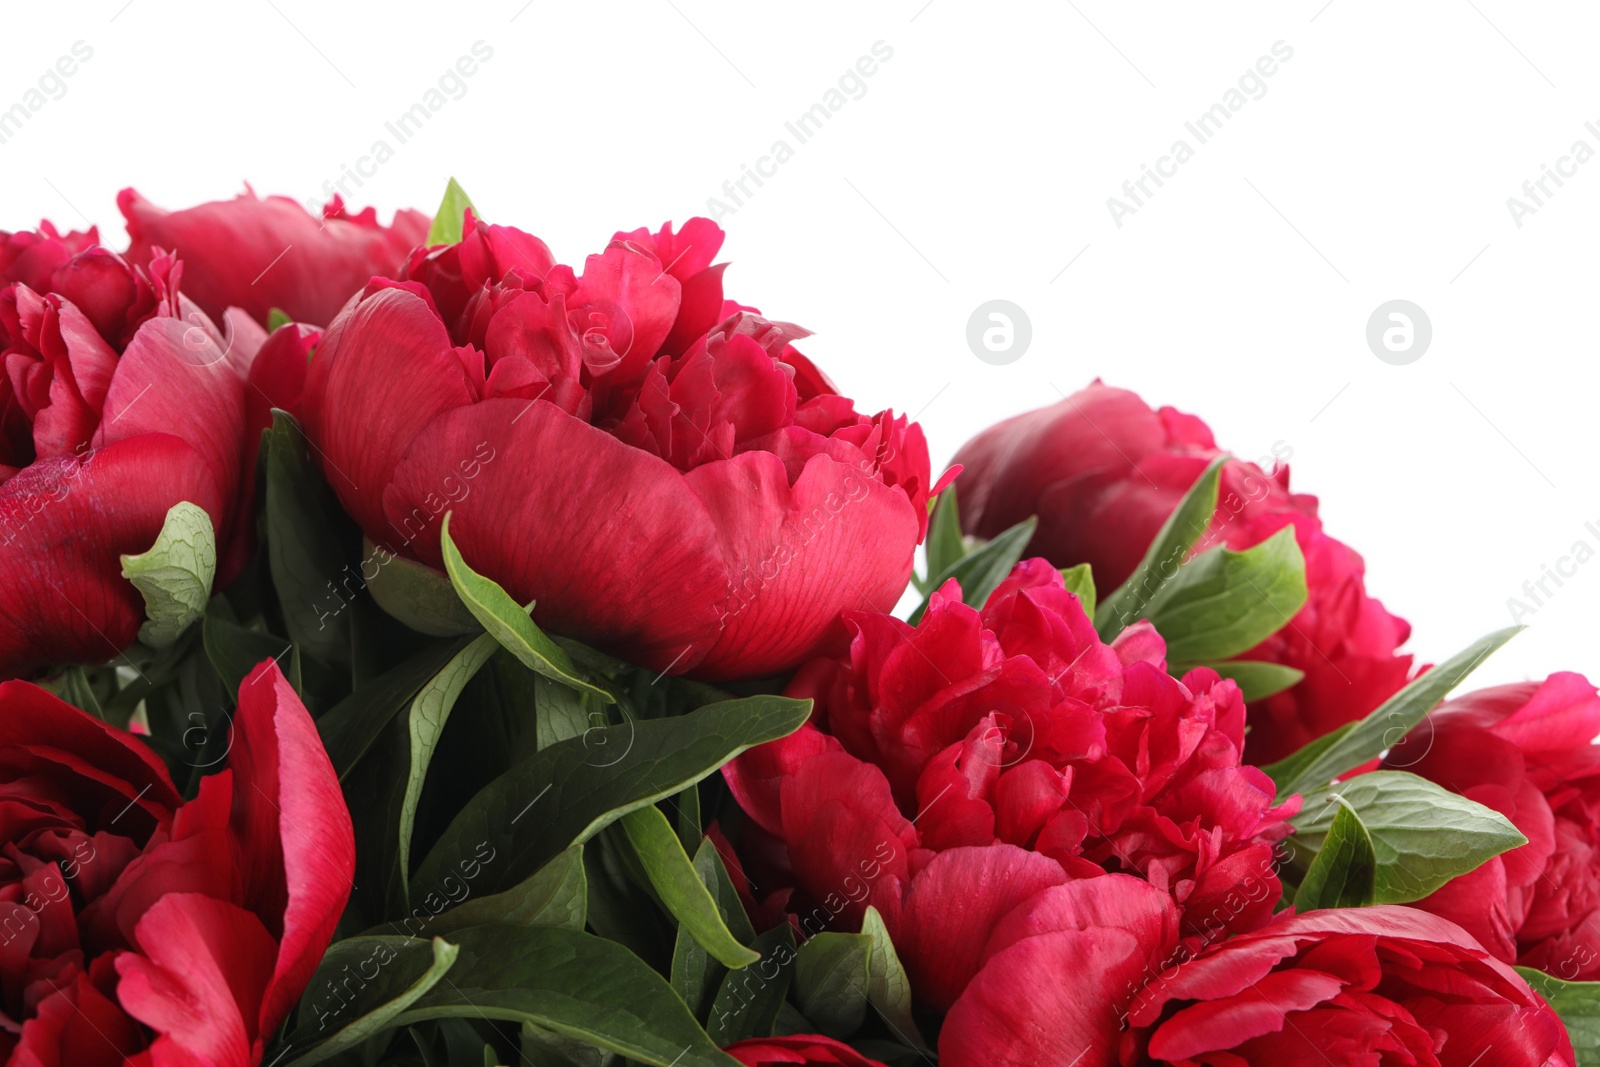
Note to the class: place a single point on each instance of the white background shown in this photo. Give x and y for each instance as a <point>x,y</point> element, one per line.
<point>977,166</point>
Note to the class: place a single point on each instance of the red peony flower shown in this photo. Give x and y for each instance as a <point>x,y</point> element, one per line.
<point>1103,471</point>
<point>1525,751</point>
<point>118,401</point>
<point>278,375</point>
<point>1055,975</point>
<point>258,254</point>
<point>662,473</point>
<point>982,758</point>
<point>139,928</point>
<point>812,1050</point>
<point>1382,985</point>
<point>32,256</point>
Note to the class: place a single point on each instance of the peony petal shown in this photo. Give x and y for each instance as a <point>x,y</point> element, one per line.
<point>174,378</point>
<point>836,540</point>
<point>1046,1001</point>
<point>198,977</point>
<point>195,859</point>
<point>1217,1025</point>
<point>1098,436</point>
<point>1516,1035</point>
<point>77,1026</point>
<point>294,841</point>
<point>699,312</point>
<point>390,358</point>
<point>127,770</point>
<point>64,523</point>
<point>756,778</point>
<point>1562,714</point>
<point>805,1049</point>
<point>1221,974</point>
<point>259,254</point>
<point>93,362</point>
<point>847,841</point>
<point>952,907</point>
<point>608,540</point>
<point>1476,902</point>
<point>627,289</point>
<point>277,380</point>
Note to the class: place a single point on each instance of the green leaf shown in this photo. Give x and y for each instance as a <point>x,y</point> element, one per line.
<point>449,222</point>
<point>556,895</point>
<point>510,624</point>
<point>379,643</point>
<point>1344,874</point>
<point>350,728</point>
<point>174,576</point>
<point>303,546</point>
<point>1293,765</point>
<point>687,805</point>
<point>830,981</point>
<point>1421,834</point>
<point>622,907</point>
<point>790,1021</point>
<point>561,714</point>
<point>1173,542</point>
<point>425,720</point>
<point>379,1015</point>
<point>417,595</point>
<point>184,705</point>
<point>682,892</point>
<point>695,975</point>
<point>441,1043</point>
<point>1578,1004</point>
<point>1080,582</point>
<point>1222,603</point>
<point>424,1048</point>
<point>1256,679</point>
<point>748,1002</point>
<point>888,988</point>
<point>571,984</point>
<point>73,686</point>
<point>276,318</point>
<point>541,1048</point>
<point>713,869</point>
<point>982,569</point>
<point>945,546</point>
<point>582,785</point>
<point>1385,727</point>
<point>235,651</point>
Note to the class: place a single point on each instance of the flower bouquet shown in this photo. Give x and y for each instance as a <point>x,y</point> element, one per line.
<point>426,652</point>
